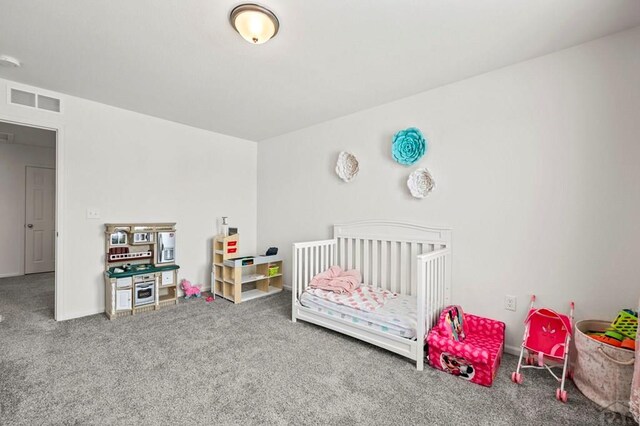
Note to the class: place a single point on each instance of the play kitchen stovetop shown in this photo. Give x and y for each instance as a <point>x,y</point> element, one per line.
<point>131,270</point>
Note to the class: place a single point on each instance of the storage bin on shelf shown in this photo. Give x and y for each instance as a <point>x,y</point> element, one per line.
<point>273,270</point>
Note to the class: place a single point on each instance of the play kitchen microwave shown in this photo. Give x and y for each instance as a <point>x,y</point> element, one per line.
<point>166,247</point>
<point>142,237</point>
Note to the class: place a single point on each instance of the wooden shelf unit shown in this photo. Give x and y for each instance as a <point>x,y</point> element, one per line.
<point>231,279</point>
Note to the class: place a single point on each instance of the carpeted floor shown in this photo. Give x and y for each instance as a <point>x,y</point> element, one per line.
<point>235,364</point>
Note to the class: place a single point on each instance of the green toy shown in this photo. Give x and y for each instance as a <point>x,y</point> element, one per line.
<point>626,324</point>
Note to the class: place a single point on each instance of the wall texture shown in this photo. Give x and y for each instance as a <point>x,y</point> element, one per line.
<point>536,171</point>
<point>13,161</point>
<point>136,168</point>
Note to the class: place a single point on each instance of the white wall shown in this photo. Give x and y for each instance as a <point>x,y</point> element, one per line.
<point>13,161</point>
<point>136,168</point>
<point>537,174</point>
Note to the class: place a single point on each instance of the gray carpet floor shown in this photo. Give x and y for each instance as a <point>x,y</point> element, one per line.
<point>219,363</point>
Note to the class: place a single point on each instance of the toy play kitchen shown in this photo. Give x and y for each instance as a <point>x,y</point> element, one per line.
<point>140,270</point>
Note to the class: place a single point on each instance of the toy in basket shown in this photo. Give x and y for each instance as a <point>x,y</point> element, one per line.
<point>547,336</point>
<point>627,323</point>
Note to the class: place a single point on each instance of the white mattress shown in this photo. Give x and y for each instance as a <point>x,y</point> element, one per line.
<point>397,316</point>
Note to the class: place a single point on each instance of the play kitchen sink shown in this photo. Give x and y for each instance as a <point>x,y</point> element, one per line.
<point>140,270</point>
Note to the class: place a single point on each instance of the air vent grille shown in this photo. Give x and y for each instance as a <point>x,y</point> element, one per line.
<point>21,97</point>
<point>35,100</point>
<point>48,103</point>
<point>6,137</point>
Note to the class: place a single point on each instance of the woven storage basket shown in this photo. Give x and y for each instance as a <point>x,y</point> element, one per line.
<point>602,372</point>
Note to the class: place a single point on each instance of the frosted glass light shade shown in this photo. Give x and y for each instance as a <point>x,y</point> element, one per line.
<point>254,23</point>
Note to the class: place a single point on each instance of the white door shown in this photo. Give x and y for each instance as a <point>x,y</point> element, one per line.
<point>40,220</point>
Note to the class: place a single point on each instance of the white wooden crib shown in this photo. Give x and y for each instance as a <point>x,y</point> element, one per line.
<point>404,258</point>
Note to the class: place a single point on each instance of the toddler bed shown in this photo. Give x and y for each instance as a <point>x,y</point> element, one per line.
<point>408,260</point>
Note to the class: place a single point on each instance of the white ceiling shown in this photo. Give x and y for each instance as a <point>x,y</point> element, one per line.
<point>24,135</point>
<point>181,60</point>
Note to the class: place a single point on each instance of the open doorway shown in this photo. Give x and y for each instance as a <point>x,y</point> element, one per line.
<point>28,209</point>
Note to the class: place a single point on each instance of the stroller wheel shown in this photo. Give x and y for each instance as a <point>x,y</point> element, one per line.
<point>516,378</point>
<point>561,395</point>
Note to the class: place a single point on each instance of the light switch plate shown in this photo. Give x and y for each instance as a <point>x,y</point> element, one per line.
<point>93,213</point>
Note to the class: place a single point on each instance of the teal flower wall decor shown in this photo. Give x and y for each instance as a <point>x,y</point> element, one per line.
<point>408,146</point>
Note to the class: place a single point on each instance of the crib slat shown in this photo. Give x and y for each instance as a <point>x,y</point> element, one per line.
<point>429,283</point>
<point>331,254</point>
<point>405,273</point>
<point>357,264</point>
<point>414,278</point>
<point>375,267</point>
<point>310,262</point>
<point>301,280</point>
<point>384,263</point>
<point>441,283</point>
<point>393,279</point>
<point>366,276</point>
<point>438,273</point>
<point>327,259</point>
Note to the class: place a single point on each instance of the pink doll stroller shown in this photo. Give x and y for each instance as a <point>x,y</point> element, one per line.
<point>547,336</point>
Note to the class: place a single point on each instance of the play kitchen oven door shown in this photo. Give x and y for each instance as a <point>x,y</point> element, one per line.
<point>144,291</point>
<point>166,247</point>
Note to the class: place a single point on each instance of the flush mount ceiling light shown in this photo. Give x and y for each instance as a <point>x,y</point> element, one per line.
<point>8,61</point>
<point>254,23</point>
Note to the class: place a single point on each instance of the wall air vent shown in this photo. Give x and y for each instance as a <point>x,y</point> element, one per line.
<point>34,99</point>
<point>48,103</point>
<point>6,137</point>
<point>20,97</point>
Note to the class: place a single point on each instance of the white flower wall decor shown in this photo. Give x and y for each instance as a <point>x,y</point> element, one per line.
<point>347,166</point>
<point>420,183</point>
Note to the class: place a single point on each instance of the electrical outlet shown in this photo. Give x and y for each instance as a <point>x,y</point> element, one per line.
<point>510,303</point>
<point>93,214</point>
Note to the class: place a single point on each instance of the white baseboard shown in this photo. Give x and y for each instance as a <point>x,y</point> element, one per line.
<point>287,286</point>
<point>11,274</point>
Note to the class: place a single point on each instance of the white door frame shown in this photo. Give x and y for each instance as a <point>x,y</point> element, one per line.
<point>58,128</point>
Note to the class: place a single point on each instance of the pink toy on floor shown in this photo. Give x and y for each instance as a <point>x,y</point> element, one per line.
<point>189,290</point>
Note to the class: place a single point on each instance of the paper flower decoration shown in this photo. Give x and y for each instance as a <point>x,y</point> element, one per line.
<point>408,146</point>
<point>347,166</point>
<point>420,183</point>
